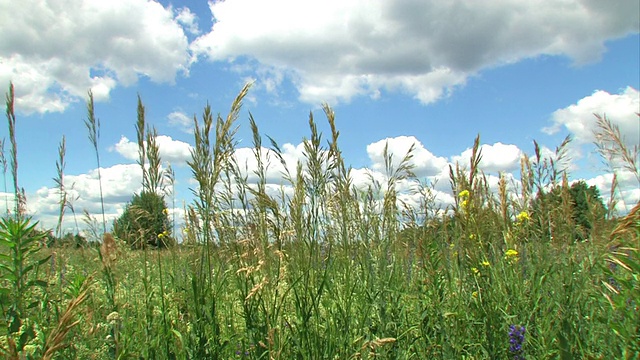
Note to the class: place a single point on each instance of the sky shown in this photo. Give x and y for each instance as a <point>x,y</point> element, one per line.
<point>430,73</point>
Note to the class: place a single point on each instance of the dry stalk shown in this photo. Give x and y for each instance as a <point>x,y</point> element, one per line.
<point>55,340</point>
<point>611,146</point>
<point>627,225</point>
<point>109,250</point>
<point>372,345</point>
<point>257,288</point>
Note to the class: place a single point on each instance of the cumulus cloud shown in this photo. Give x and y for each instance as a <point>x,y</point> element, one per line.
<point>181,121</point>
<point>174,151</point>
<point>189,20</point>
<point>248,165</point>
<point>363,178</point>
<point>495,158</point>
<point>334,50</point>
<point>119,183</point>
<point>423,161</point>
<point>54,51</point>
<point>628,191</point>
<point>621,109</point>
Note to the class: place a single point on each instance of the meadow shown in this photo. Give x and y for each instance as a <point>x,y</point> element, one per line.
<point>330,271</point>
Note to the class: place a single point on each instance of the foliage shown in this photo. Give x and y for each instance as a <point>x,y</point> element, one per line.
<point>325,269</point>
<point>580,204</point>
<point>623,281</point>
<point>144,222</point>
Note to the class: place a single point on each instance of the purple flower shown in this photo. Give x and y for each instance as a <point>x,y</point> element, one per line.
<point>516,340</point>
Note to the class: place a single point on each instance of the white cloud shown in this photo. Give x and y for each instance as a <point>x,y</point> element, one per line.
<point>424,162</point>
<point>126,148</point>
<point>174,151</point>
<point>54,51</point>
<point>628,191</point>
<point>189,20</point>
<point>495,158</point>
<point>181,121</point>
<point>333,50</point>
<point>119,183</point>
<point>620,109</point>
<point>248,165</point>
<point>362,179</point>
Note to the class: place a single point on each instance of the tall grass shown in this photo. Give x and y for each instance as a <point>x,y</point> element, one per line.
<point>27,329</point>
<point>93,129</point>
<point>321,269</point>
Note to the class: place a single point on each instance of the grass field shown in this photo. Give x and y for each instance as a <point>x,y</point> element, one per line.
<point>327,271</point>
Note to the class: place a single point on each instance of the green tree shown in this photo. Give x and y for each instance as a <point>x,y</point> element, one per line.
<point>145,222</point>
<point>588,207</point>
<point>578,209</point>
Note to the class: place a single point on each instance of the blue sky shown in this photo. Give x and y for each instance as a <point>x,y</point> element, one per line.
<point>429,72</point>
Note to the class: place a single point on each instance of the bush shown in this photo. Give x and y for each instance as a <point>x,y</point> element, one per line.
<point>579,208</point>
<point>145,222</point>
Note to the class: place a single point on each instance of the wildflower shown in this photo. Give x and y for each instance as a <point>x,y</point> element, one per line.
<point>485,263</point>
<point>165,211</point>
<point>472,236</point>
<point>475,271</point>
<point>522,217</point>
<point>474,294</point>
<point>163,235</point>
<point>464,196</point>
<point>511,256</point>
<point>516,340</point>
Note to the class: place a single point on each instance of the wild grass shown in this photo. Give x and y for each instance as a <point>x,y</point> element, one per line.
<point>321,269</point>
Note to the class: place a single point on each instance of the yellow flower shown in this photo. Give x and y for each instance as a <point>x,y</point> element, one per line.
<point>522,217</point>
<point>464,203</point>
<point>163,234</point>
<point>464,194</point>
<point>511,255</point>
<point>165,211</point>
<point>472,236</point>
<point>485,263</point>
<point>475,271</point>
<point>474,294</point>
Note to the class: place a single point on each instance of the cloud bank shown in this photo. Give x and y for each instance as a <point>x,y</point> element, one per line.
<point>54,51</point>
<point>335,50</point>
<point>331,50</point>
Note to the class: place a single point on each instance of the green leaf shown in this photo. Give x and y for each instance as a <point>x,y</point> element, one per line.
<point>9,275</point>
<point>14,321</point>
<point>6,242</point>
<point>42,261</point>
<point>33,305</point>
<point>28,268</point>
<point>25,337</point>
<point>40,283</point>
